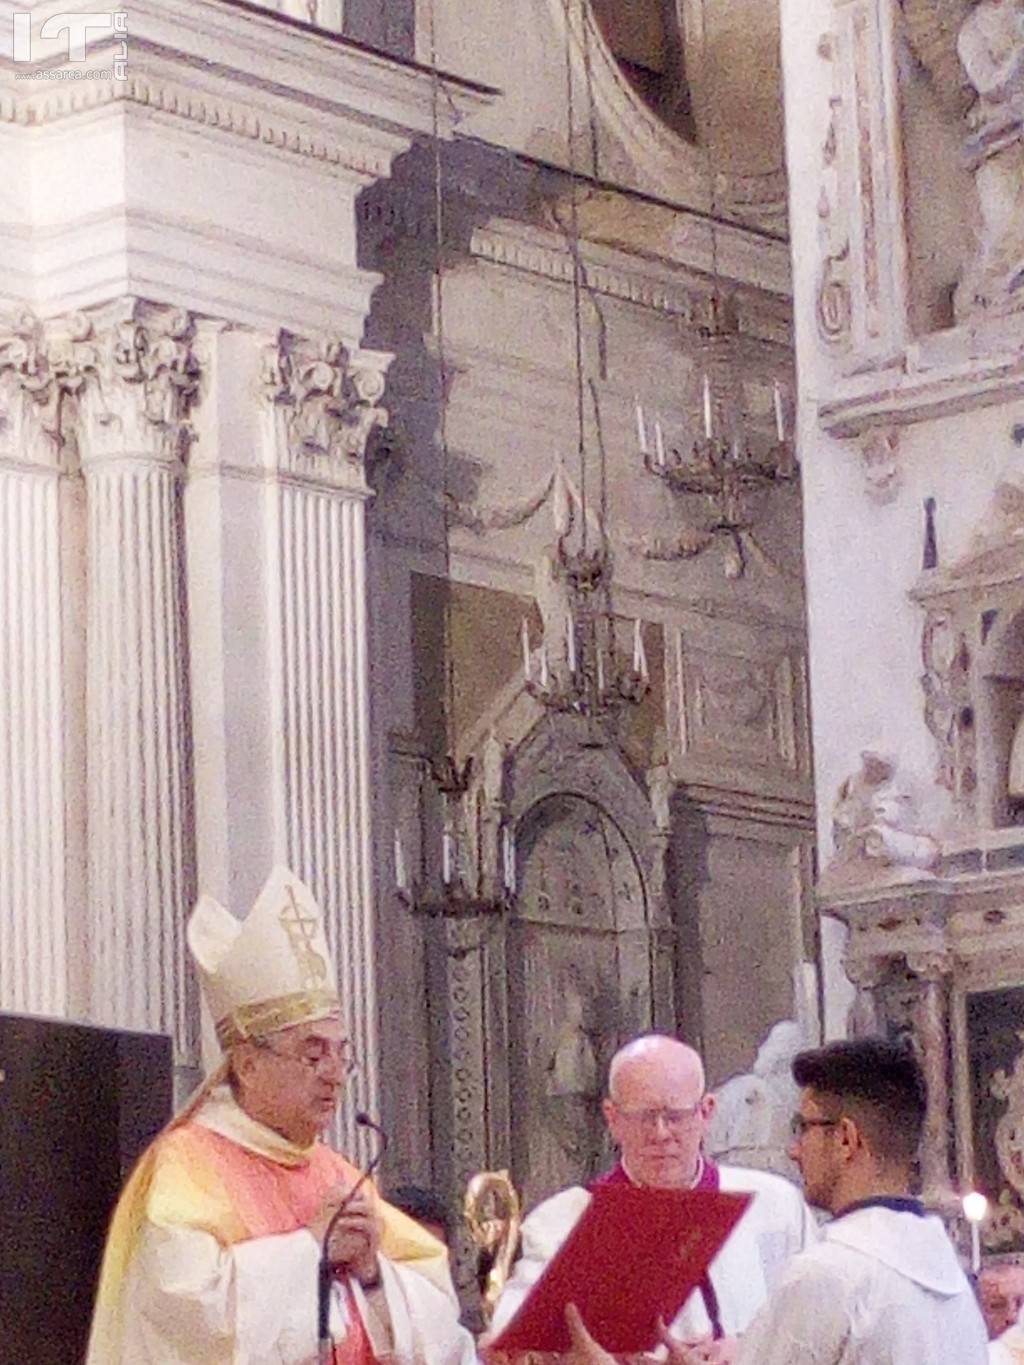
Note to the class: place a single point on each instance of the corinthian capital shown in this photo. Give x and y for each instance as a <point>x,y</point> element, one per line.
<point>148,385</point>
<point>328,399</point>
<point>44,368</point>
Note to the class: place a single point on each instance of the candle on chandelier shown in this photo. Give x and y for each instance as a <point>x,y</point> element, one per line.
<point>545,676</point>
<point>401,879</point>
<point>447,857</point>
<point>780,417</point>
<point>527,673</point>
<point>600,668</point>
<point>508,850</point>
<point>659,443</point>
<point>570,642</point>
<point>641,427</point>
<point>708,423</point>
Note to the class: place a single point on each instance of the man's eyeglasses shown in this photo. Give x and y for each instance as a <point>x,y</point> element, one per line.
<point>798,1125</point>
<point>315,1056</point>
<point>671,1118</point>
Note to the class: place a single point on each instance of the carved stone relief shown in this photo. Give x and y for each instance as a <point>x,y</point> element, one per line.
<point>949,706</point>
<point>876,829</point>
<point>883,477</point>
<point>833,298</point>
<point>330,402</point>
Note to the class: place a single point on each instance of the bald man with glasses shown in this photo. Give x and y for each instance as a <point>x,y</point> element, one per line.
<point>657,1111</point>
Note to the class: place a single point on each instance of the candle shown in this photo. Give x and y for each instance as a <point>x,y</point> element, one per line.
<point>638,645</point>
<point>659,443</point>
<point>401,881</point>
<point>708,425</point>
<point>509,860</point>
<point>975,1207</point>
<point>526,651</point>
<point>600,669</point>
<point>780,423</point>
<point>544,676</point>
<point>641,427</point>
<point>570,642</point>
<point>447,857</point>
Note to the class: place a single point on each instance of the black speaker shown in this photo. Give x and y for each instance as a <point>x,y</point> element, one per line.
<point>78,1105</point>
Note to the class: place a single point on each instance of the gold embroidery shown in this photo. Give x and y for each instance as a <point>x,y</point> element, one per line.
<point>302,932</point>
<point>269,1016</point>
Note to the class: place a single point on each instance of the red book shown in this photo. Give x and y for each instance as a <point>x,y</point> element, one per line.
<point>635,1256</point>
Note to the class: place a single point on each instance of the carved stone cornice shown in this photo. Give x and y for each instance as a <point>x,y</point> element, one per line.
<point>327,399</point>
<point>246,72</point>
<point>673,286</point>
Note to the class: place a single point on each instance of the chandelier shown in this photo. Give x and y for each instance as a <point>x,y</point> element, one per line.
<point>726,459</point>
<point>589,675</point>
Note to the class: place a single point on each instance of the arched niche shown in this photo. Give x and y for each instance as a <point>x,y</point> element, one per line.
<point>588,958</point>
<point>1001,718</point>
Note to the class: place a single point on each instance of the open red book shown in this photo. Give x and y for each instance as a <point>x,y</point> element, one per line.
<point>635,1256</point>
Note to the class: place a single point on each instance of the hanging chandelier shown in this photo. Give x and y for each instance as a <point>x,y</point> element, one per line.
<point>725,458</point>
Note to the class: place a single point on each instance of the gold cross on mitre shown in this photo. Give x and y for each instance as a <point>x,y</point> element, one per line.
<point>301,928</point>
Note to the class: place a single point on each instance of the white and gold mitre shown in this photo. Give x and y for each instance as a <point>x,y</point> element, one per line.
<point>268,971</point>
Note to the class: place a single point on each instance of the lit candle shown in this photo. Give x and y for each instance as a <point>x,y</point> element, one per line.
<point>975,1207</point>
<point>570,642</point>
<point>641,427</point>
<point>780,422</point>
<point>447,857</point>
<point>401,881</point>
<point>659,443</point>
<point>707,408</point>
<point>526,651</point>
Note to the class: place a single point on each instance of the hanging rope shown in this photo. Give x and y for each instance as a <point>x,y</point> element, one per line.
<point>577,269</point>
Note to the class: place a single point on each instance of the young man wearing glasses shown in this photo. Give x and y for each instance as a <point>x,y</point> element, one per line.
<point>657,1111</point>
<point>214,1250</point>
<point>883,1286</point>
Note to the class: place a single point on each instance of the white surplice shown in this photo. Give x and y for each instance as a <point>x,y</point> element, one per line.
<point>774,1228</point>
<point>883,1287</point>
<point>189,1299</point>
<point>1009,1348</point>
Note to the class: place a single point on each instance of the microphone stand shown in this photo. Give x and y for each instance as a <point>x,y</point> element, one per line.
<point>325,1345</point>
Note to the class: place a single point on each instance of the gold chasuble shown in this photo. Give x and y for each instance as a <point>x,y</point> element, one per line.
<point>217,1171</point>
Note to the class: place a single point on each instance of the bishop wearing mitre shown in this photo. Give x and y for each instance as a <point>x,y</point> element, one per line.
<point>214,1248</point>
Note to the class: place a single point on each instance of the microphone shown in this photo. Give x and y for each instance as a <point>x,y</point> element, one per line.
<point>325,1346</point>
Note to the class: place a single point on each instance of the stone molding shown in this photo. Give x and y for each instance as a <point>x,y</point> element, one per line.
<point>269,83</point>
<point>673,167</point>
<point>678,288</point>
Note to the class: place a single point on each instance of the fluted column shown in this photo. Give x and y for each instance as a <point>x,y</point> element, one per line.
<point>322,409</point>
<point>135,437</point>
<point>38,370</point>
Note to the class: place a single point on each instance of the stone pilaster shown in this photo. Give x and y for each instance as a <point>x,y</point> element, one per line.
<point>40,371</point>
<point>134,440</point>
<point>322,407</point>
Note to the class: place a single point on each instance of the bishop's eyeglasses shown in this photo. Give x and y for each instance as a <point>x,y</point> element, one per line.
<point>316,1054</point>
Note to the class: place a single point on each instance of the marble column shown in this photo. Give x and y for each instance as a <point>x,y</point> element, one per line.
<point>322,407</point>
<point>38,370</point>
<point>932,970</point>
<point>134,441</point>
